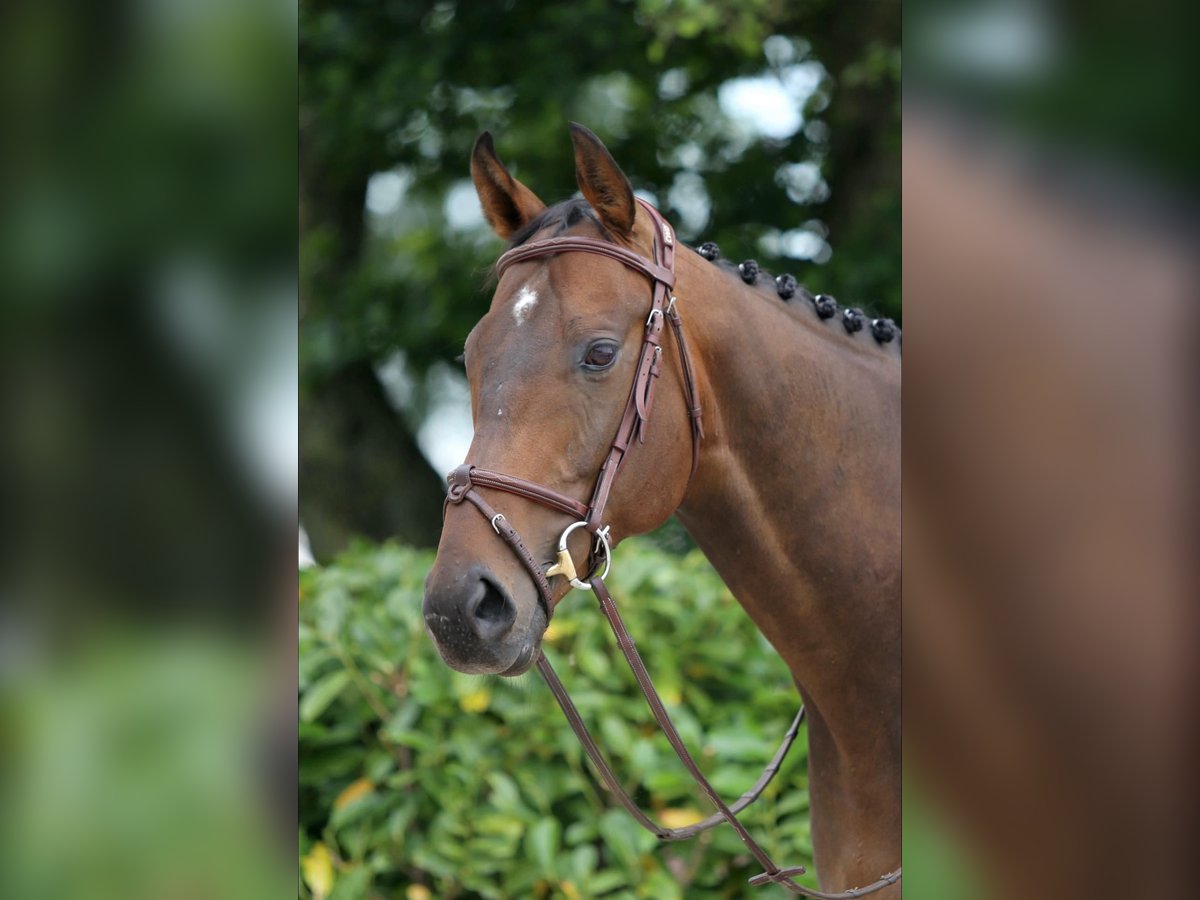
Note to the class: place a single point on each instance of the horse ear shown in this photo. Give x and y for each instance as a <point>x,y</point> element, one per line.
<point>602,181</point>
<point>507,204</point>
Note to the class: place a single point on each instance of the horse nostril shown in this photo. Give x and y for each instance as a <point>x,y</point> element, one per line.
<point>491,607</point>
<point>491,611</point>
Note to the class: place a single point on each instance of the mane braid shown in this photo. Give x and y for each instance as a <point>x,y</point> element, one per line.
<point>765,286</point>
<point>566,214</point>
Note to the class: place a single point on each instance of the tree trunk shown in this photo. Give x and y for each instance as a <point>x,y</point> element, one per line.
<point>361,472</point>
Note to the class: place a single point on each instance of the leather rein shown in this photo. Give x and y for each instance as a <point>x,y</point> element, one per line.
<point>465,480</point>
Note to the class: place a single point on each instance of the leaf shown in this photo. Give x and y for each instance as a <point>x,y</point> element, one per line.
<point>592,662</point>
<point>608,880</point>
<point>615,732</point>
<point>317,698</point>
<point>403,719</point>
<point>583,862</point>
<point>505,794</point>
<point>793,801</point>
<point>668,782</point>
<point>643,756</point>
<point>356,790</point>
<point>353,884</point>
<point>317,868</point>
<point>398,823</point>
<point>730,781</point>
<point>578,832</point>
<point>319,766</point>
<point>542,841</point>
<point>659,885</point>
<point>738,746</point>
<point>680,818</point>
<point>361,808</point>
<point>617,830</point>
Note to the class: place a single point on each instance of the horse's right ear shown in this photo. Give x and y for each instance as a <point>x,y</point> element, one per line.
<point>602,182</point>
<point>507,204</point>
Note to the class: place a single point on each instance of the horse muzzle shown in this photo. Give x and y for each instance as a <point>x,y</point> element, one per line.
<point>476,623</point>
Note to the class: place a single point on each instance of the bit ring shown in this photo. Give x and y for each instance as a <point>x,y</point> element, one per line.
<point>601,541</point>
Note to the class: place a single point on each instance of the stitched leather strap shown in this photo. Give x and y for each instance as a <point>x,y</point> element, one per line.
<point>689,380</point>
<point>529,490</point>
<point>610,780</point>
<point>551,246</point>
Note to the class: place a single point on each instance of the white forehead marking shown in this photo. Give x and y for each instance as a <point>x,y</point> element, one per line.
<point>526,300</point>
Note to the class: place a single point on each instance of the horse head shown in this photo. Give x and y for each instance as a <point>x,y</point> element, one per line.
<point>551,367</point>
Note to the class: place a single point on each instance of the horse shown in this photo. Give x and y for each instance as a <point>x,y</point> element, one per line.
<point>775,441</point>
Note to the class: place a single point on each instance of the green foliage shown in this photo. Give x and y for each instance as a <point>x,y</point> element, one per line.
<point>418,781</point>
<point>404,88</point>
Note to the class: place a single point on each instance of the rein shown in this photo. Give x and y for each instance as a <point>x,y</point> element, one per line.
<point>466,478</point>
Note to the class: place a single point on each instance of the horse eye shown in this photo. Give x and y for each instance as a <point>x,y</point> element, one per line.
<point>600,355</point>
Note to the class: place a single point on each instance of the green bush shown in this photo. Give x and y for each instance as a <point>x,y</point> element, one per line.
<point>417,781</point>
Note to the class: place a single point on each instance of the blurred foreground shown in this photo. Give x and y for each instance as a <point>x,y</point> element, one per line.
<point>1051,394</point>
<point>147,456</point>
<point>147,450</point>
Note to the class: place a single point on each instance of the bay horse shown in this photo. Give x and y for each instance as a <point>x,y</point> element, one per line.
<point>775,440</point>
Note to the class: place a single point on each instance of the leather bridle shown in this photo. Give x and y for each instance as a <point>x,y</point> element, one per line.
<point>466,478</point>
<point>661,273</point>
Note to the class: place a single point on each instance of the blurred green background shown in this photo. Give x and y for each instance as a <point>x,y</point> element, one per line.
<point>147,449</point>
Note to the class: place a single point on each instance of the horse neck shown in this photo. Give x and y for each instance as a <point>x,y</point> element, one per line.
<point>796,501</point>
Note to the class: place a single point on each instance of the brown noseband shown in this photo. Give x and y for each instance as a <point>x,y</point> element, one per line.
<point>466,478</point>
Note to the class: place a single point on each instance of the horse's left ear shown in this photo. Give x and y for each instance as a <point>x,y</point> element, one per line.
<point>602,181</point>
<point>507,204</point>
